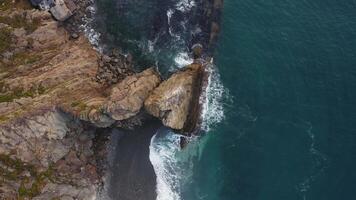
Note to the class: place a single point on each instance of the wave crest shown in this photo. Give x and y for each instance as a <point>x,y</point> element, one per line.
<point>212,99</point>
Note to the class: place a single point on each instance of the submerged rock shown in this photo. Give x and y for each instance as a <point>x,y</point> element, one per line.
<point>175,100</point>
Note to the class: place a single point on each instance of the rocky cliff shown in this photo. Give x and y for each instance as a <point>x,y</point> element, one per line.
<point>56,91</point>
<point>175,101</point>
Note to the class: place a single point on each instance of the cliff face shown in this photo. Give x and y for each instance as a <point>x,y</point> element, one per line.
<point>51,103</point>
<point>56,91</point>
<point>175,100</point>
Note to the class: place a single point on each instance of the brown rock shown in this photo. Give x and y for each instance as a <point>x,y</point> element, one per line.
<point>174,99</point>
<point>128,96</point>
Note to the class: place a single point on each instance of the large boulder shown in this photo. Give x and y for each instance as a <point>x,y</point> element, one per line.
<point>127,97</point>
<point>175,100</point>
<point>60,10</point>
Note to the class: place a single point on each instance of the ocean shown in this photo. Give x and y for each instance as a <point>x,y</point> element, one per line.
<point>280,114</point>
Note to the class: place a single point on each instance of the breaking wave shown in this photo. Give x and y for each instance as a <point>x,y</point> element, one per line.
<point>92,35</point>
<point>172,165</point>
<point>212,99</point>
<point>182,59</point>
<point>185,5</point>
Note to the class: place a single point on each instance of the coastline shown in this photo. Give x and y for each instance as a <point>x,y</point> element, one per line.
<point>58,93</point>
<point>132,176</point>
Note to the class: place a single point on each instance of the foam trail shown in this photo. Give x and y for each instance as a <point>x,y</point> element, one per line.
<point>212,99</point>
<point>185,5</point>
<point>92,35</point>
<point>173,166</point>
<point>182,59</point>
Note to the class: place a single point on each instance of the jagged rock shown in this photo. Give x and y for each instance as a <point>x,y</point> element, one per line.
<point>39,139</point>
<point>61,11</point>
<point>128,96</point>
<point>45,97</point>
<point>173,100</point>
<point>74,36</point>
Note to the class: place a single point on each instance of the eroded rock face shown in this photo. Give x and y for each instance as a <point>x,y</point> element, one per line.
<point>173,100</point>
<point>127,97</point>
<point>125,100</point>
<point>48,97</point>
<point>51,150</point>
<point>41,138</point>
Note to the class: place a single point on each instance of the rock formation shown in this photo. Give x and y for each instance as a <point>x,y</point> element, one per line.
<point>56,91</point>
<point>175,100</point>
<point>51,103</point>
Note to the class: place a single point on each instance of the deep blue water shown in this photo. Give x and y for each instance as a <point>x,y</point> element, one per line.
<point>289,72</point>
<point>290,132</point>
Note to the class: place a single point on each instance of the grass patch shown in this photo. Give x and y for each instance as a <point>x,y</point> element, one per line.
<point>8,4</point>
<point>21,58</point>
<point>17,166</point>
<point>24,58</point>
<point>16,94</point>
<point>3,118</point>
<point>5,39</point>
<point>39,179</point>
<point>20,21</point>
<point>79,104</point>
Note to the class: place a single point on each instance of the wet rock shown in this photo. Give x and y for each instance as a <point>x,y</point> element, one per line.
<point>106,59</point>
<point>173,99</point>
<point>197,50</point>
<point>74,36</point>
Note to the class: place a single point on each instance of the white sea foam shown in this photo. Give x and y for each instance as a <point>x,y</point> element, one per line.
<point>185,5</point>
<point>212,99</point>
<point>173,166</point>
<point>319,163</point>
<point>92,35</point>
<point>169,15</point>
<point>182,59</point>
<point>163,158</point>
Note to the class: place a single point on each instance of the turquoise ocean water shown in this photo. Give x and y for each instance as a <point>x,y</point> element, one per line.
<point>281,112</point>
<point>290,132</point>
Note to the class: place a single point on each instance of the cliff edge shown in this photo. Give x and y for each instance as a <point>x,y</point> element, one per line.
<point>57,92</point>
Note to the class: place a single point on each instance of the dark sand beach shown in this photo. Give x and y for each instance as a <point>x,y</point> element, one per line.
<point>133,177</point>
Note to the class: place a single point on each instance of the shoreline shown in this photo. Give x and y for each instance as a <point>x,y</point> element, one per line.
<point>132,176</point>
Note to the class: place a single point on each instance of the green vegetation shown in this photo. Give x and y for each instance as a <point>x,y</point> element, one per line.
<point>18,168</point>
<point>20,93</point>
<point>16,94</point>
<point>7,4</point>
<point>5,39</point>
<point>20,21</point>
<point>24,58</point>
<point>79,104</point>
<point>20,58</point>
<point>37,185</point>
<point>41,90</point>
<point>3,118</point>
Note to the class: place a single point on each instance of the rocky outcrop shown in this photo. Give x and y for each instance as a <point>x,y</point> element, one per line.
<point>127,97</point>
<point>60,9</point>
<point>52,102</point>
<point>124,101</point>
<point>175,100</point>
<point>56,91</point>
<point>45,153</point>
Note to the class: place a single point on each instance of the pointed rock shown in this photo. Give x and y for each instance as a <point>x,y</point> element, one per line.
<point>175,100</point>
